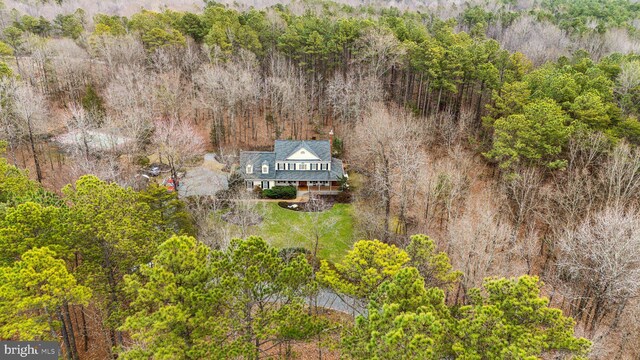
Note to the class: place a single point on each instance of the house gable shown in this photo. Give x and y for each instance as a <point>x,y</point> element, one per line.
<point>303,154</point>
<point>320,149</point>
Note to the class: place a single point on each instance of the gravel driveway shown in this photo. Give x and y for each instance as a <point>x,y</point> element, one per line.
<point>204,180</point>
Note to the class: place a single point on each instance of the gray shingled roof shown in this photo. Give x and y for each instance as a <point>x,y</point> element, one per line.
<point>296,175</point>
<point>257,158</point>
<point>319,148</point>
<point>307,175</point>
<point>337,169</point>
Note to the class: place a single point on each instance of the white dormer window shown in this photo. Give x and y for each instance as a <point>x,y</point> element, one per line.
<point>265,169</point>
<point>249,169</point>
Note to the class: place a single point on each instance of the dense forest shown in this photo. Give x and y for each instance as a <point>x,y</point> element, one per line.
<point>505,130</point>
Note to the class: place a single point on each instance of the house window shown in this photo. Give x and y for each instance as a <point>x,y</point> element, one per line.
<point>265,169</point>
<point>323,166</point>
<point>314,166</point>
<point>249,169</point>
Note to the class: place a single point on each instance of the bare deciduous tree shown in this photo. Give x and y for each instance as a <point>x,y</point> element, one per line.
<point>621,176</point>
<point>130,99</point>
<point>71,70</point>
<point>448,129</point>
<point>79,124</point>
<point>584,151</point>
<point>368,218</point>
<point>380,51</point>
<point>287,95</point>
<point>628,80</point>
<point>539,41</point>
<point>107,168</point>
<point>351,96</point>
<point>445,186</point>
<point>209,231</point>
<point>522,189</point>
<point>244,212</point>
<point>600,263</point>
<point>231,89</point>
<point>169,96</point>
<point>30,110</point>
<point>11,132</point>
<point>118,51</point>
<point>177,142</point>
<point>320,225</point>
<point>386,148</point>
<point>478,240</point>
<point>628,333</point>
<point>619,40</point>
<point>527,247</point>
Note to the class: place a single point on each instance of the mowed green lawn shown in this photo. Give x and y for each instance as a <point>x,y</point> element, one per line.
<point>287,228</point>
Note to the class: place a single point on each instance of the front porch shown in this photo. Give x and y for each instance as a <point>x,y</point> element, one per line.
<point>320,190</point>
<point>319,187</point>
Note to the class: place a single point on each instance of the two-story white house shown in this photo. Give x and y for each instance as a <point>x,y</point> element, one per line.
<point>305,164</point>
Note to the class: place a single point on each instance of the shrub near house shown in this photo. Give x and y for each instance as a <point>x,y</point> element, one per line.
<point>280,192</point>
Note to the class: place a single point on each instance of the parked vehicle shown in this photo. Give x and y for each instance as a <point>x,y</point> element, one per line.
<point>154,170</point>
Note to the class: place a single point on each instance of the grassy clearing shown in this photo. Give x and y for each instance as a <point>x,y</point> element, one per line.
<point>287,228</point>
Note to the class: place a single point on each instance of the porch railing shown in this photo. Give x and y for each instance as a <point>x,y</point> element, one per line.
<point>322,188</point>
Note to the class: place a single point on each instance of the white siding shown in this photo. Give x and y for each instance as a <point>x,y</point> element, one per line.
<point>302,154</point>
